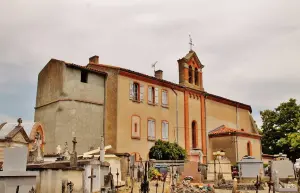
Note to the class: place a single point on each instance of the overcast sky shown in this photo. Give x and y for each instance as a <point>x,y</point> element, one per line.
<point>250,49</point>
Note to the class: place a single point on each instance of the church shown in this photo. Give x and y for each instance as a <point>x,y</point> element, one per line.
<point>133,110</point>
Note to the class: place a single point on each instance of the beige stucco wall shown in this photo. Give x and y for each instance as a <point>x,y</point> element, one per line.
<point>226,144</point>
<point>195,115</point>
<point>242,147</point>
<point>218,114</point>
<point>245,120</point>
<point>51,180</point>
<point>78,109</point>
<point>127,108</point>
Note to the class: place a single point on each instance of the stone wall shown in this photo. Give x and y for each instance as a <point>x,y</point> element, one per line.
<point>72,107</point>
<point>111,100</point>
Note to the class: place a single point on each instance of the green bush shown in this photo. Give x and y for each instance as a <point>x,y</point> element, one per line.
<point>164,150</point>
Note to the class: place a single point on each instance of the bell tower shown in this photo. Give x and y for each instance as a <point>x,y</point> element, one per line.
<point>190,71</point>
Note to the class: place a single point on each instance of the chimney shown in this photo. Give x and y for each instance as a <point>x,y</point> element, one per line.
<point>94,60</point>
<point>158,74</point>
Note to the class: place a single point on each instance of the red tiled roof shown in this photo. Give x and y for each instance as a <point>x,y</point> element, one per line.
<point>209,95</point>
<point>223,130</point>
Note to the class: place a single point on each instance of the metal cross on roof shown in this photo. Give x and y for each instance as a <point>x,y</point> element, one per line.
<point>154,65</point>
<point>191,42</point>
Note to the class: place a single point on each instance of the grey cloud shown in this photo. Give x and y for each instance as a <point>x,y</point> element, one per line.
<point>248,48</point>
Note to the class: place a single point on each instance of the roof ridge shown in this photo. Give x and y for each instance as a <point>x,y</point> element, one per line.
<point>216,129</point>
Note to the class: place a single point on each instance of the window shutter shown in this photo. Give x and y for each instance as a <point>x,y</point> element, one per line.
<point>131,90</point>
<point>166,130</point>
<point>156,96</point>
<point>163,130</point>
<point>149,128</point>
<point>150,94</point>
<point>153,129</point>
<point>141,93</point>
<point>166,98</point>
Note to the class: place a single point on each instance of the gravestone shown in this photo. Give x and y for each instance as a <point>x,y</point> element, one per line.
<point>250,167</point>
<point>15,159</point>
<point>222,165</point>
<point>284,168</point>
<point>297,165</point>
<point>283,187</point>
<point>191,169</point>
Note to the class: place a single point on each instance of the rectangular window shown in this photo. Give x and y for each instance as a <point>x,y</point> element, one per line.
<point>84,76</point>
<point>164,98</point>
<point>165,130</point>
<point>151,129</point>
<point>136,90</point>
<point>151,95</point>
<point>156,96</point>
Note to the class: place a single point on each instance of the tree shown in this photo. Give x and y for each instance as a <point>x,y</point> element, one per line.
<point>164,150</point>
<point>280,129</point>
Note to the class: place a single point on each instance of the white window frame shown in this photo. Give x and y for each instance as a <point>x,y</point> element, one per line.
<point>151,95</point>
<point>164,98</point>
<point>151,129</point>
<point>165,130</point>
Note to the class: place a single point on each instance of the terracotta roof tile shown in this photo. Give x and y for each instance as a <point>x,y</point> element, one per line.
<point>93,67</point>
<point>226,130</point>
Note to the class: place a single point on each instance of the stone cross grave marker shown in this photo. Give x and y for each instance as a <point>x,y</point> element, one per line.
<point>91,177</point>
<point>15,159</point>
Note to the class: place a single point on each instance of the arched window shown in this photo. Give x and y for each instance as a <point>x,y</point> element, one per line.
<point>249,148</point>
<point>190,74</point>
<point>194,134</point>
<point>196,77</point>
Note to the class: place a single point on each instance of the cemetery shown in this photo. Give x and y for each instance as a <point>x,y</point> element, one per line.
<point>30,171</point>
<point>96,171</point>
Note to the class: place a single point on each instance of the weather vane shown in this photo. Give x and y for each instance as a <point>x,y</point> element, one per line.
<point>191,42</point>
<point>153,65</point>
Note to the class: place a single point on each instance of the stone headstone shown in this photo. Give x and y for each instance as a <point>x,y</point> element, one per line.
<point>284,168</point>
<point>191,169</point>
<point>2,186</point>
<point>297,165</point>
<point>15,159</point>
<point>250,167</point>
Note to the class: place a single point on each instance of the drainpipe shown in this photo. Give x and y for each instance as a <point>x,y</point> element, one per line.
<point>237,148</point>
<point>104,109</point>
<point>176,114</point>
<point>237,117</point>
<point>206,133</point>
